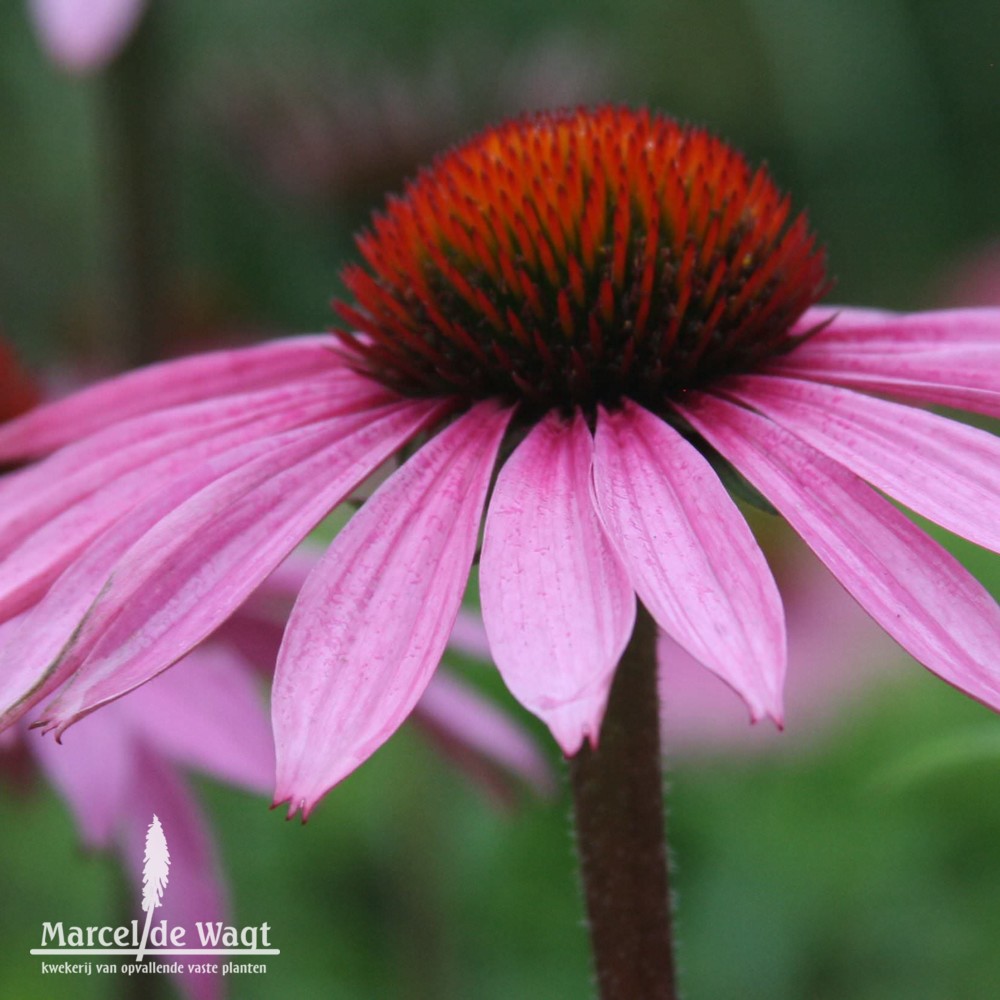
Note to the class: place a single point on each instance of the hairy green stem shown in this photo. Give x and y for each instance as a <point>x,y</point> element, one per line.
<point>618,808</point>
<point>139,181</point>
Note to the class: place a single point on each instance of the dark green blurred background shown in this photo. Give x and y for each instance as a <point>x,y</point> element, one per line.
<point>862,864</point>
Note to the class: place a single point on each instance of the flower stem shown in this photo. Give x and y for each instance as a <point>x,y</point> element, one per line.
<point>618,808</point>
<point>138,152</point>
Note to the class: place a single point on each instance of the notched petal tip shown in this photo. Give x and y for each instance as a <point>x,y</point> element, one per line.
<point>46,725</point>
<point>295,807</point>
<point>571,735</point>
<point>916,590</point>
<point>51,722</point>
<point>774,713</point>
<point>690,554</point>
<point>557,603</point>
<point>373,619</point>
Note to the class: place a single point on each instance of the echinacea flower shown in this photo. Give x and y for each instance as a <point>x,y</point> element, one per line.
<point>128,763</point>
<point>603,308</point>
<point>82,36</point>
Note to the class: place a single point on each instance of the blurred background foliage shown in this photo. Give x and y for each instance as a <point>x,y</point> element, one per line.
<point>863,862</point>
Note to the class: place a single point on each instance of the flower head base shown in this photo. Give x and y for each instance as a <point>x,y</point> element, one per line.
<point>580,258</point>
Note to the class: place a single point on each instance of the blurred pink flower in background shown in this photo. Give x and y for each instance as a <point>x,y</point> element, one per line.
<point>121,765</point>
<point>82,36</point>
<point>126,764</point>
<point>326,134</point>
<point>973,279</point>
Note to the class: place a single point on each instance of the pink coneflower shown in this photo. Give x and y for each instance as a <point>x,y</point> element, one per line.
<point>606,310</point>
<point>129,762</point>
<point>82,36</point>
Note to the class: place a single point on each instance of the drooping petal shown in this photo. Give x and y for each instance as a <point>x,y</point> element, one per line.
<point>481,739</point>
<point>93,773</point>
<point>276,595</point>
<point>908,583</point>
<point>557,603</point>
<point>256,629</point>
<point>84,35</point>
<point>206,713</point>
<point>170,383</point>
<point>374,617</point>
<point>690,554</point>
<point>33,494</point>
<point>945,470</point>
<point>837,655</point>
<point>32,660</point>
<point>195,889</point>
<point>46,530</point>
<point>951,357</point>
<point>197,565</point>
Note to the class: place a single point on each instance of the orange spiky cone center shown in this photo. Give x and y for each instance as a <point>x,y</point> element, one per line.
<point>578,258</point>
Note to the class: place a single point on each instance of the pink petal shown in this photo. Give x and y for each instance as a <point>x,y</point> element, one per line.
<point>910,585</point>
<point>84,35</point>
<point>690,554</point>
<point>170,383</point>
<point>93,773</point>
<point>256,628</point>
<point>207,713</point>
<point>951,357</point>
<point>374,617</point>
<point>464,726</point>
<point>557,603</point>
<point>200,562</point>
<point>945,470</point>
<point>481,739</point>
<point>54,525</point>
<point>32,495</point>
<point>195,889</point>
<point>32,663</point>
<point>836,654</point>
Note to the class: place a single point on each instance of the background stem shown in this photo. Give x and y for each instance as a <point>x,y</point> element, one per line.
<point>618,809</point>
<point>139,128</point>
